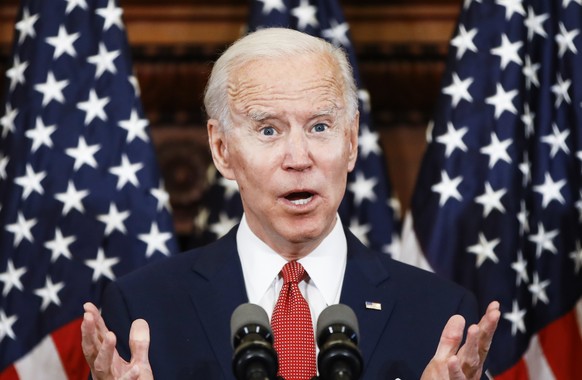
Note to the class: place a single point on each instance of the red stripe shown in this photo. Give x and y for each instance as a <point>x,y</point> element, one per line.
<point>67,339</point>
<point>517,372</point>
<point>9,374</point>
<point>562,345</point>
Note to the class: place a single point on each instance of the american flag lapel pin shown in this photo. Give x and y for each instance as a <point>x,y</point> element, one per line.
<point>373,305</point>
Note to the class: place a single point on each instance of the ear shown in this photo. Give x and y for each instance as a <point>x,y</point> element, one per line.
<point>219,148</point>
<point>353,136</point>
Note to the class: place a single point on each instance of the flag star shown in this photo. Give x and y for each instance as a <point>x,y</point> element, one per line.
<point>101,266</point>
<point>11,278</point>
<point>534,23</point>
<point>230,187</point>
<point>135,127</point>
<point>364,97</point>
<point>511,7</point>
<point>363,188</point>
<point>72,198</point>
<point>6,326</point>
<point>507,51</point>
<point>429,131</point>
<point>393,248</point>
<point>83,154</point>
<point>26,25</point>
<point>49,293</point>
<point>544,240</point>
<point>447,188</point>
<point>557,140</point>
<point>7,121</point>
<point>575,255</point>
<point>21,229</point>
<point>111,15</point>
<point>360,230</point>
<point>522,218</point>
<point>453,139</point>
<point>135,84</point>
<point>16,72</point>
<point>337,34</point>
<point>63,43</point>
<point>103,60</point>
<point>565,40</point>
<point>497,150</point>
<point>565,3</point>
<point>520,267</point>
<point>491,200</point>
<point>459,89</point>
<point>530,71</point>
<point>94,107</point>
<point>3,164</point>
<point>305,14</point>
<point>155,240</point>
<point>126,172</point>
<point>467,3</point>
<point>395,206</point>
<point>502,101</point>
<point>114,220</point>
<point>578,206</point>
<point>516,318</point>
<point>538,290</point>
<point>52,89</point>
<point>368,142</point>
<point>484,249</point>
<point>528,119</point>
<point>59,246</point>
<point>161,196</point>
<point>550,190</point>
<point>72,4</point>
<point>41,134</point>
<point>201,219</point>
<point>30,182</point>
<point>463,41</point>
<point>270,5</point>
<point>222,225</point>
<point>560,89</point>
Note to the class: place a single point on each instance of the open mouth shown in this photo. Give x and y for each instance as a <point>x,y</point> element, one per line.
<point>299,198</point>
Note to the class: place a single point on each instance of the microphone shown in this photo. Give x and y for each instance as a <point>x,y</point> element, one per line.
<point>337,338</point>
<point>254,357</point>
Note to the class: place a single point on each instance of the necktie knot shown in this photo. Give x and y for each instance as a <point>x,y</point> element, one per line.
<point>292,272</point>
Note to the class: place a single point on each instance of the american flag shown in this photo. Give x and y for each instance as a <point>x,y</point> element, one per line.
<point>368,207</point>
<point>81,201</point>
<point>498,202</point>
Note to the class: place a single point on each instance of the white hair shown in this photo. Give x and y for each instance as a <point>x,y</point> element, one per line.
<point>272,43</point>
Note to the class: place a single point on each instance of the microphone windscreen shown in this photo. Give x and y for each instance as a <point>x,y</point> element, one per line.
<point>248,314</point>
<point>337,314</point>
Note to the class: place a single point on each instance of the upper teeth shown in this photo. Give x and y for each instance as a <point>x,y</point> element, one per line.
<point>301,201</point>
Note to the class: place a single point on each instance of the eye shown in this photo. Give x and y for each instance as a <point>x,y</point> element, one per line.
<point>320,127</point>
<point>268,131</point>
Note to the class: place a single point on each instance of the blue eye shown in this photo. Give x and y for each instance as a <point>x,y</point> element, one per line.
<point>268,131</point>
<point>319,127</point>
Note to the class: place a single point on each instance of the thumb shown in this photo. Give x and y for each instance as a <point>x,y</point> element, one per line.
<point>451,338</point>
<point>139,341</point>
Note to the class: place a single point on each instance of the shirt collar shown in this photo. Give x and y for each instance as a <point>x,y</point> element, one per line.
<point>261,264</point>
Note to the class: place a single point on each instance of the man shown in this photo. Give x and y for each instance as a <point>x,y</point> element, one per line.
<point>283,123</point>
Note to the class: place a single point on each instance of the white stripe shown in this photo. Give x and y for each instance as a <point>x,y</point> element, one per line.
<point>536,362</point>
<point>579,316</point>
<point>43,362</point>
<point>410,251</point>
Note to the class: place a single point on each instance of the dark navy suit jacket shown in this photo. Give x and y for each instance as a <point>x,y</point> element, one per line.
<point>188,301</point>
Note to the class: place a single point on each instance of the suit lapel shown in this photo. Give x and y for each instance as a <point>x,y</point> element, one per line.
<point>216,288</point>
<point>364,281</point>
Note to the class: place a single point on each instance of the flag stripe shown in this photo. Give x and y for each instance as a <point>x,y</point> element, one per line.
<point>67,341</point>
<point>536,362</point>
<point>561,342</point>
<point>42,358</point>
<point>9,374</point>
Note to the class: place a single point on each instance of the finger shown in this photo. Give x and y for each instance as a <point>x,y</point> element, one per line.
<point>487,327</point>
<point>89,343</point>
<point>100,326</point>
<point>471,363</point>
<point>451,337</point>
<point>103,362</point>
<point>139,341</point>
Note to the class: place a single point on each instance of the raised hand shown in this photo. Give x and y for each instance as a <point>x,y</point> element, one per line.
<point>99,349</point>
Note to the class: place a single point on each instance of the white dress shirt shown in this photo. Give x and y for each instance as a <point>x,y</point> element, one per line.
<point>325,267</point>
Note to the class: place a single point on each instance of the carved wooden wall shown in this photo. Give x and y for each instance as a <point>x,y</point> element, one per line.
<point>401,47</point>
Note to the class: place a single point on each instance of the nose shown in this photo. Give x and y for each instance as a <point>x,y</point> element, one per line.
<point>297,155</point>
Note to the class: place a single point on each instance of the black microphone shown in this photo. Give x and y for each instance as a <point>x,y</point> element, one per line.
<point>254,357</point>
<point>337,338</point>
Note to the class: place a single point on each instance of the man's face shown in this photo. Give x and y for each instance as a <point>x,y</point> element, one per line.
<point>290,148</point>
